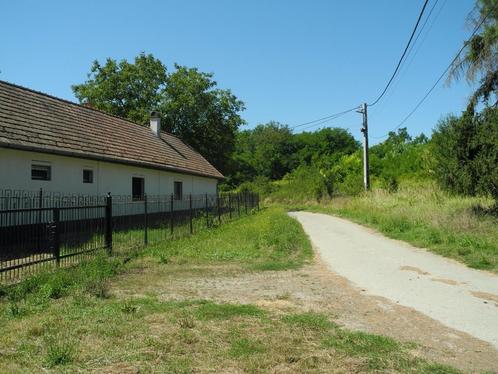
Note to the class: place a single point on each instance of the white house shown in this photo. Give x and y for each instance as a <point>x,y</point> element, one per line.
<point>57,145</point>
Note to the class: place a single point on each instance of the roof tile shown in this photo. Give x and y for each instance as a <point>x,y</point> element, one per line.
<point>48,124</point>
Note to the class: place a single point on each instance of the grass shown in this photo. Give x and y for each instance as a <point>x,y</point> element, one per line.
<point>84,333</point>
<point>73,320</point>
<point>423,215</point>
<point>268,241</point>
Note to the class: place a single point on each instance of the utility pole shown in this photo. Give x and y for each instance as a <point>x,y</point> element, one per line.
<point>364,130</point>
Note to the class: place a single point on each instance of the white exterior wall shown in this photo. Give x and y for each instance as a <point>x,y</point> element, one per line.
<point>67,176</point>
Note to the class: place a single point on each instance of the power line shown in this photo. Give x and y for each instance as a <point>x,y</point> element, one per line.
<point>442,75</point>
<point>420,33</point>
<point>409,60</point>
<point>322,120</point>
<point>320,123</point>
<point>402,56</point>
<point>325,119</point>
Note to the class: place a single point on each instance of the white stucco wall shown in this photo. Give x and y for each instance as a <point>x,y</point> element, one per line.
<point>67,176</point>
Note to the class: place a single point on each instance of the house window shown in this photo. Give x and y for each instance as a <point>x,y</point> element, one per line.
<point>137,187</point>
<point>178,190</point>
<point>41,172</point>
<point>87,176</point>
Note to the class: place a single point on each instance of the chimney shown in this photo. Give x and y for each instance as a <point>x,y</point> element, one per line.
<point>155,123</point>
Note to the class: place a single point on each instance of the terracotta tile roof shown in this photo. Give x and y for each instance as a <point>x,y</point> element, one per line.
<point>35,121</point>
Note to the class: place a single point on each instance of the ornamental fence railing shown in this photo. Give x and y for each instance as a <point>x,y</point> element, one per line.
<point>41,230</point>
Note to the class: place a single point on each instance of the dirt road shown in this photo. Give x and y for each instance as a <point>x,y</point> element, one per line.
<point>458,297</point>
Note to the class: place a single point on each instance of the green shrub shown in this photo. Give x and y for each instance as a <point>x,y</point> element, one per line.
<point>303,184</point>
<point>465,151</point>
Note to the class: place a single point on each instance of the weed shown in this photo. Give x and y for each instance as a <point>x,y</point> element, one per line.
<point>164,259</point>
<point>129,308</point>
<point>186,321</point>
<point>14,310</point>
<point>60,351</point>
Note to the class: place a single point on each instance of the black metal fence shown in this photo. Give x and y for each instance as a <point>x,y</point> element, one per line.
<point>46,230</point>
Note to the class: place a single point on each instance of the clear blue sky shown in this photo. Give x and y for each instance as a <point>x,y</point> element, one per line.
<point>289,61</point>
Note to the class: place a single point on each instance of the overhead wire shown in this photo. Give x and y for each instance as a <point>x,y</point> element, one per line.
<point>406,52</point>
<point>409,58</point>
<point>402,56</point>
<point>325,119</point>
<point>420,102</point>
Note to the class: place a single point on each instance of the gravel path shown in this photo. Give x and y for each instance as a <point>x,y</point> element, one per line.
<point>449,292</point>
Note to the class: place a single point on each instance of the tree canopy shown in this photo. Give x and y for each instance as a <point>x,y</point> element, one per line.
<point>479,61</point>
<point>188,101</point>
<point>124,89</point>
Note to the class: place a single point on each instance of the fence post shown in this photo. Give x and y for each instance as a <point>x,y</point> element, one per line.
<point>190,213</point>
<point>238,204</point>
<point>218,208</point>
<point>55,236</point>
<point>171,210</point>
<point>207,211</point>
<point>245,201</point>
<point>230,205</point>
<point>257,200</point>
<point>40,203</point>
<point>145,220</point>
<point>108,223</point>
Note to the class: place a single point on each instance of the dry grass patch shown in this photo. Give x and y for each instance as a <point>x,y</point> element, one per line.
<point>88,334</point>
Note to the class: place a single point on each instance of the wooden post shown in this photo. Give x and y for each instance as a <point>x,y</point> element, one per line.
<point>230,205</point>
<point>364,130</point>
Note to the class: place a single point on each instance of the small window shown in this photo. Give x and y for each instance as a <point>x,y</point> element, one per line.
<point>87,176</point>
<point>178,190</point>
<point>41,172</point>
<point>138,188</point>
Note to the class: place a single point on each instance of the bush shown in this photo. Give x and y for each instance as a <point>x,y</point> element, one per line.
<point>465,152</point>
<point>346,175</point>
<point>303,184</point>
<point>261,185</point>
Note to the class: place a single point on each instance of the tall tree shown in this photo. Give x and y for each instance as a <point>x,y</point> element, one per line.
<point>189,102</point>
<point>267,151</point>
<point>124,89</point>
<point>479,62</point>
<point>205,117</point>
